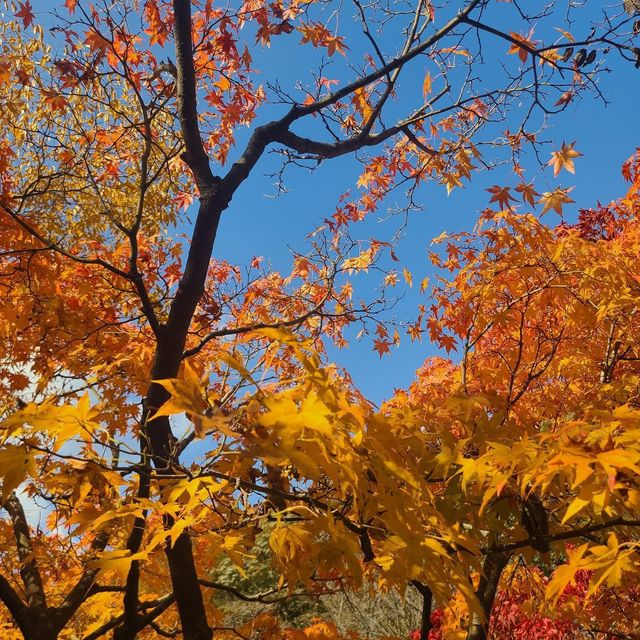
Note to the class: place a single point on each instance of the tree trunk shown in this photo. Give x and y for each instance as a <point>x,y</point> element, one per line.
<point>486,593</point>
<point>159,439</point>
<point>427,602</point>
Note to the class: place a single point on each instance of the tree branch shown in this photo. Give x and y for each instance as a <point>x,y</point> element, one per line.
<point>278,130</point>
<point>12,601</point>
<point>492,569</point>
<point>255,597</point>
<point>564,535</point>
<point>157,607</point>
<point>83,588</point>
<point>195,155</point>
<point>427,602</point>
<point>29,571</point>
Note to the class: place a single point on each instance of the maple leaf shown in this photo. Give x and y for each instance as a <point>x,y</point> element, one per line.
<point>56,101</point>
<point>224,84</point>
<point>415,331</point>
<point>96,42</point>
<point>382,346</point>
<point>523,46</point>
<point>17,462</point>
<point>5,73</point>
<point>183,199</point>
<point>25,13</point>
<point>391,279</point>
<point>563,159</point>
<point>555,199</point>
<point>528,193</point>
<point>426,85</point>
<point>447,342</point>
<point>336,43</point>
<point>565,98</point>
<point>456,51</point>
<point>501,195</point>
<point>450,181</point>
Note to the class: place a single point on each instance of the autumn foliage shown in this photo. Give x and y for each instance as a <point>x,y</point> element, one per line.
<point>165,412</point>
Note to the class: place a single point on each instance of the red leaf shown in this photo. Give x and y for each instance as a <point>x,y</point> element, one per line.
<point>25,13</point>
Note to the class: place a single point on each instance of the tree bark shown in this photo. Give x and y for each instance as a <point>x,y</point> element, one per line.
<point>492,569</point>
<point>427,602</point>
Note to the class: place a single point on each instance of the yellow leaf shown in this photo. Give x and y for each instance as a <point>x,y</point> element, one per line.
<point>223,84</point>
<point>555,199</point>
<point>118,561</point>
<point>577,505</point>
<point>290,543</point>
<point>230,360</point>
<point>16,462</point>
<point>292,416</point>
<point>187,395</point>
<point>400,471</point>
<point>564,574</point>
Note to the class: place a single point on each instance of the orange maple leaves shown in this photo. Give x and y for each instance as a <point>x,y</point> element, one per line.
<point>522,46</point>
<point>320,36</point>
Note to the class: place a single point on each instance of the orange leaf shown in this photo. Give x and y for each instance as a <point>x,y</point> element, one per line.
<point>563,159</point>
<point>501,195</point>
<point>96,42</point>
<point>426,85</point>
<point>555,199</point>
<point>382,346</point>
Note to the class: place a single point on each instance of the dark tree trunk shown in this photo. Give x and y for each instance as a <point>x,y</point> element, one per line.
<point>492,569</point>
<point>427,602</point>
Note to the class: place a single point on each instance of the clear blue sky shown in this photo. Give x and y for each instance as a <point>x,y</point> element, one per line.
<point>257,225</point>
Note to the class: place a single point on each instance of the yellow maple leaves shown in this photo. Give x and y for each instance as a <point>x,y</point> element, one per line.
<point>294,411</point>
<point>16,463</point>
<point>607,561</point>
<point>186,396</point>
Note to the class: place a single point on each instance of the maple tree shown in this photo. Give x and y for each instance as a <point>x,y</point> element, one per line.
<point>112,324</point>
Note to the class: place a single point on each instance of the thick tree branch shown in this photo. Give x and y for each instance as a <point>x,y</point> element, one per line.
<point>491,571</point>
<point>13,602</point>
<point>278,130</point>
<point>29,571</point>
<point>195,155</point>
<point>154,608</point>
<point>255,597</point>
<point>427,602</point>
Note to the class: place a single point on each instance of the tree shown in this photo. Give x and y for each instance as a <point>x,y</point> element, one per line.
<point>534,426</point>
<point>112,324</point>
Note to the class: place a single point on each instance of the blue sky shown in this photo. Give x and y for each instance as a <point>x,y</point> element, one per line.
<point>258,225</point>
